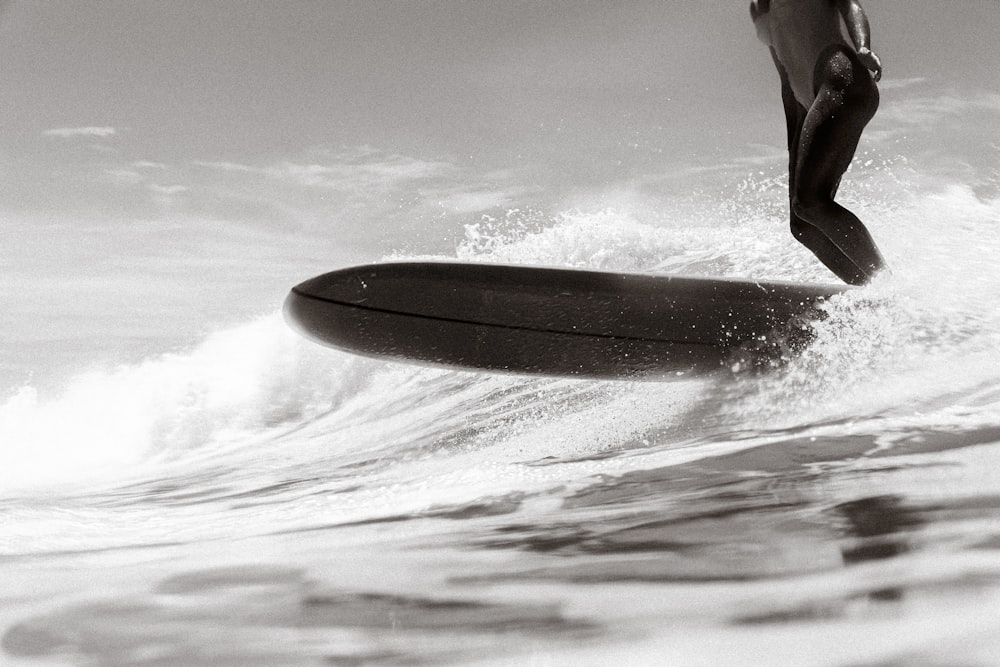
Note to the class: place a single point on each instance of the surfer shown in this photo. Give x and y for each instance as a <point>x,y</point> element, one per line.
<point>829,94</point>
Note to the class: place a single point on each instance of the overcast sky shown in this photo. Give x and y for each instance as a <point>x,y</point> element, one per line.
<point>243,110</point>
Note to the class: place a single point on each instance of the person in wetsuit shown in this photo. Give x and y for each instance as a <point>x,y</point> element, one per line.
<point>828,86</point>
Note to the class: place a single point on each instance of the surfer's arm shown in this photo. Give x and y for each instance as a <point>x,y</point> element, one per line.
<point>860,33</point>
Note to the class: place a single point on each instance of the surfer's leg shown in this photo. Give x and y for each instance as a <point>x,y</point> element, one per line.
<point>846,99</point>
<point>809,236</point>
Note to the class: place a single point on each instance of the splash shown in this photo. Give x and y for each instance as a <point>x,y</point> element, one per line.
<point>923,341</point>
<point>237,382</point>
<point>690,235</point>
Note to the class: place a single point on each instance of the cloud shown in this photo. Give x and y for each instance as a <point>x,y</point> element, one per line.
<point>148,164</point>
<point>922,111</point>
<point>168,190</point>
<point>75,132</point>
<point>942,119</point>
<point>362,169</point>
<point>386,172</point>
<point>460,200</point>
<point>323,187</point>
<point>225,166</point>
<point>899,84</point>
<point>165,195</point>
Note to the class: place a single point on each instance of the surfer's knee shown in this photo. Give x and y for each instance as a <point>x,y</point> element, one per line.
<point>825,215</point>
<point>808,210</point>
<point>805,233</point>
<point>800,229</point>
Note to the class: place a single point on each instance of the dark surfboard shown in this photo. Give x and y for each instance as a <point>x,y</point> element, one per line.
<point>548,321</point>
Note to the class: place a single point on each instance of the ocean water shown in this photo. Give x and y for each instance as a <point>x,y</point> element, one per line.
<point>218,491</point>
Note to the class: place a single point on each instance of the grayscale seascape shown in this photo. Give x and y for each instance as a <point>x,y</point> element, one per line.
<point>185,481</point>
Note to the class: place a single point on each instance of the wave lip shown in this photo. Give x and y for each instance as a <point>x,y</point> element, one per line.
<point>238,383</point>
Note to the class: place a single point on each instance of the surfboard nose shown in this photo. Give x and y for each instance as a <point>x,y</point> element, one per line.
<point>343,286</point>
<point>307,308</point>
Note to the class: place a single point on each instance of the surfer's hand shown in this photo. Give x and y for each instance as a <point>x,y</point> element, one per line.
<point>871,61</point>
